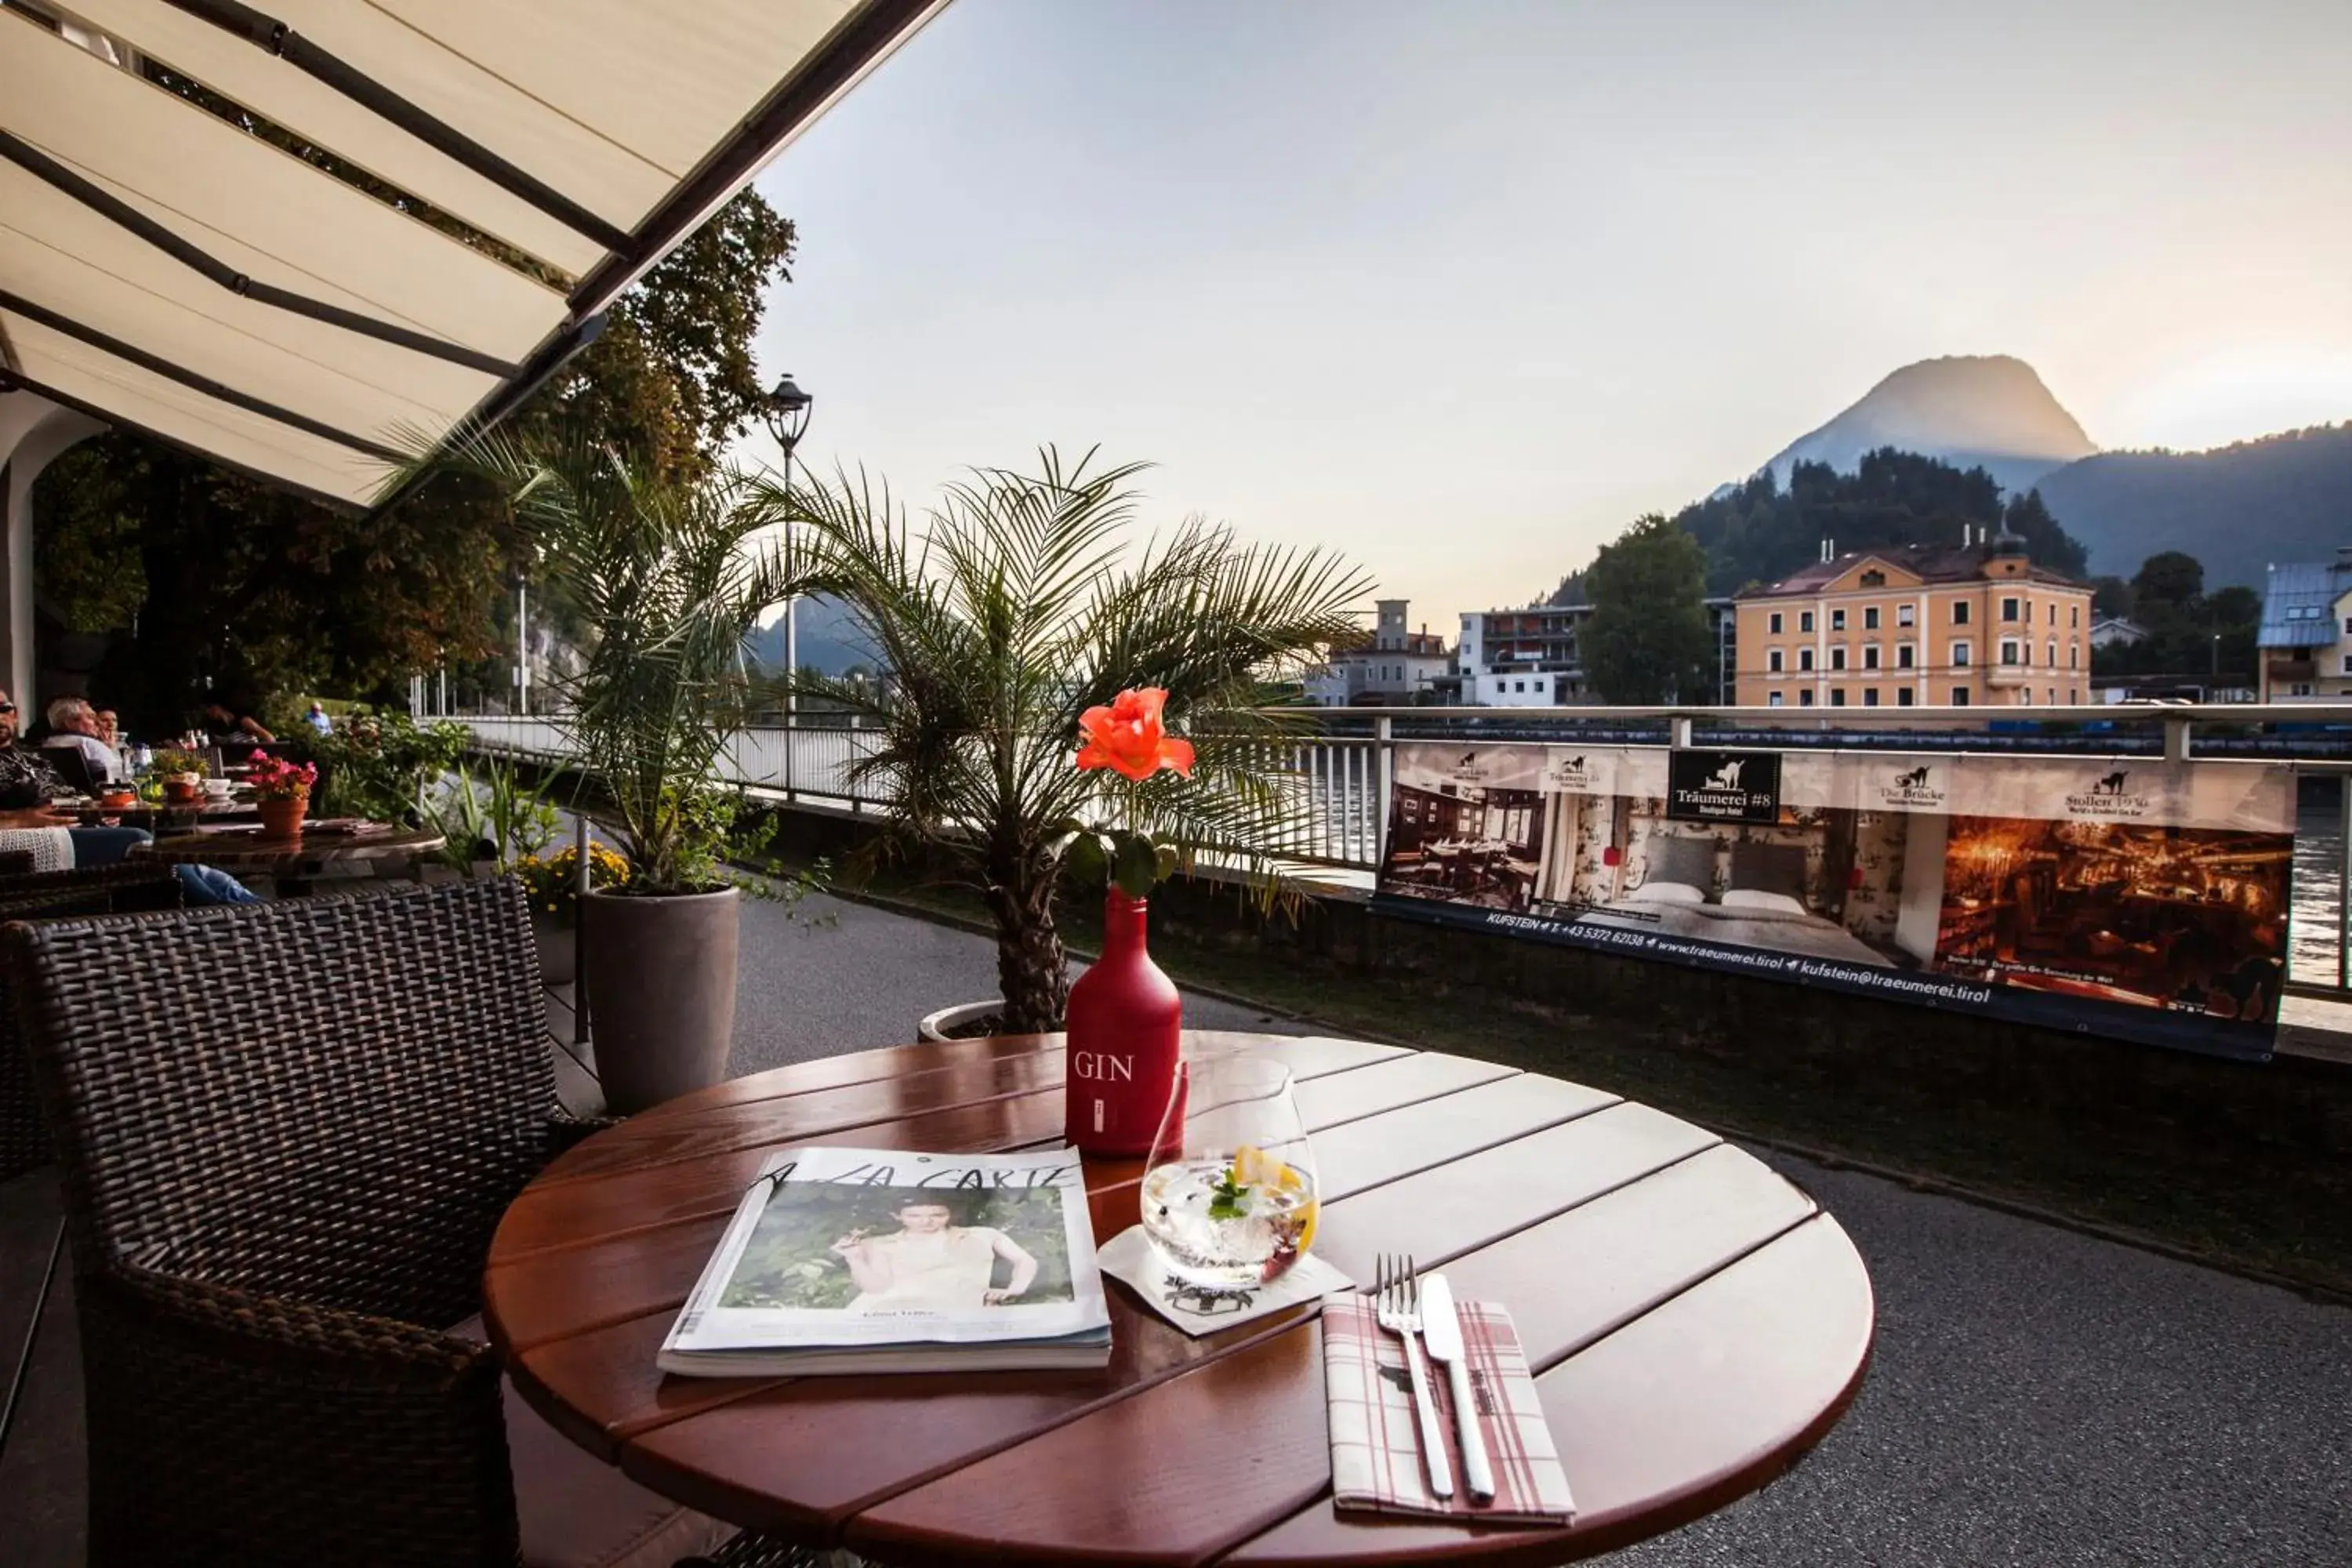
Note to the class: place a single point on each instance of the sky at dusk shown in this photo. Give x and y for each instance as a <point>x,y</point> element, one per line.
<point>1462,289</point>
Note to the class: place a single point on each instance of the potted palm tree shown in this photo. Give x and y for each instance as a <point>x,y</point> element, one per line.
<point>1022,604</point>
<point>668,577</point>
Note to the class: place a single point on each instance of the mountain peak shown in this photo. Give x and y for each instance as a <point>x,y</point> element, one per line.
<point>1966,409</point>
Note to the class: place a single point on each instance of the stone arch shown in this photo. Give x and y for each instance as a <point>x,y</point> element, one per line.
<point>33,432</point>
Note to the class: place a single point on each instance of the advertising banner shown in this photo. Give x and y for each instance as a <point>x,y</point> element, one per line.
<point>2121,896</point>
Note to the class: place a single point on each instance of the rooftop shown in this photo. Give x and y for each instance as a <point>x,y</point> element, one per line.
<point>2299,603</point>
<point>1930,563</point>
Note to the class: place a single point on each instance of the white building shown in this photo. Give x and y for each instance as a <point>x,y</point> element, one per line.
<point>1394,668</point>
<point>1531,657</point>
<point>2113,631</point>
<point>2305,647</point>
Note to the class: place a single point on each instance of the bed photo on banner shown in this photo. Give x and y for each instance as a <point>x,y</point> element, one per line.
<point>2123,896</point>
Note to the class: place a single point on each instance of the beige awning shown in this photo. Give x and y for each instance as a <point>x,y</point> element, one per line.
<point>248,277</point>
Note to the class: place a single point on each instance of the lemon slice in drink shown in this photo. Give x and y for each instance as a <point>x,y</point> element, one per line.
<point>1254,1167</point>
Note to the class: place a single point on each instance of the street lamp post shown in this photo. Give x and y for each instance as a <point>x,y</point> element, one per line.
<point>787,416</point>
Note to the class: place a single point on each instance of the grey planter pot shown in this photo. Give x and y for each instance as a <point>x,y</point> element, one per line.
<point>935,1025</point>
<point>661,993</point>
<point>559,949</point>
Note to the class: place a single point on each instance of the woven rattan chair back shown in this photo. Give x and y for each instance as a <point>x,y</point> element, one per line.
<point>23,1137</point>
<point>328,1099</point>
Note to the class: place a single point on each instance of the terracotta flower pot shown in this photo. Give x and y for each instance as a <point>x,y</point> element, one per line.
<point>282,819</point>
<point>180,789</point>
<point>661,992</point>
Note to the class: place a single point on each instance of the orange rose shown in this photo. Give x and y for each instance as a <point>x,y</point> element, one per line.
<point>1127,736</point>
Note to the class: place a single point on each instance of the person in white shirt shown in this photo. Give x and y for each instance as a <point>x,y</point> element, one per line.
<point>931,1264</point>
<point>75,726</point>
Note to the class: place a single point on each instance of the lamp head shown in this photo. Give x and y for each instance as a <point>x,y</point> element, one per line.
<point>787,412</point>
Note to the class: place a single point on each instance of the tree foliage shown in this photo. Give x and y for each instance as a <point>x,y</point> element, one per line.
<point>239,587</point>
<point>667,574</point>
<point>2190,631</point>
<point>1759,532</point>
<point>1648,640</point>
<point>1018,604</point>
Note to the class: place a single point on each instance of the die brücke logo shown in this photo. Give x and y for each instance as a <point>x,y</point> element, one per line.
<point>1913,789</point>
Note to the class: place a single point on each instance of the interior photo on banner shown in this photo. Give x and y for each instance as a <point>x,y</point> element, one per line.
<point>2125,896</point>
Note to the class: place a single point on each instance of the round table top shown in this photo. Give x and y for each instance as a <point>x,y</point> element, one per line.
<point>244,850</point>
<point>1696,1323</point>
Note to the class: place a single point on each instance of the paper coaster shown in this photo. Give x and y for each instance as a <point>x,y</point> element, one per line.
<point>1130,1258</point>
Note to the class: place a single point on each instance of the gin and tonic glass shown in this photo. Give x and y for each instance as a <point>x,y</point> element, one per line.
<point>1229,1195</point>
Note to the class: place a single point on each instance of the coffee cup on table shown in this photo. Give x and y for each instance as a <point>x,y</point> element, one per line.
<point>219,788</point>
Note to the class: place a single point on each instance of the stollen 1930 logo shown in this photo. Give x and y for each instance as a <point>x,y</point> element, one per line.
<point>1723,786</point>
<point>2109,797</point>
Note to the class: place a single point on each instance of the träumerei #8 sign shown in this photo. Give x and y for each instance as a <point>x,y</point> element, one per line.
<point>2122,896</point>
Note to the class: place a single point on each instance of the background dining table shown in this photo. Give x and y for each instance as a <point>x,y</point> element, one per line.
<point>1696,1322</point>
<point>322,853</point>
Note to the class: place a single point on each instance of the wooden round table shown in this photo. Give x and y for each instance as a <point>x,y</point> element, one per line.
<point>373,849</point>
<point>1696,1322</point>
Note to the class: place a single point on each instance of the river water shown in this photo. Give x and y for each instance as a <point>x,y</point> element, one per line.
<point>2313,930</point>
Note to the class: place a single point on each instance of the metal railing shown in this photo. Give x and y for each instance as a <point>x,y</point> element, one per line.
<point>1343,773</point>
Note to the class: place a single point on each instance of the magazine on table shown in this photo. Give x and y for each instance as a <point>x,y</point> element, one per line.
<point>842,1260</point>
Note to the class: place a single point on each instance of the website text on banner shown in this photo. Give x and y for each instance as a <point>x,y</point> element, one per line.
<point>2117,896</point>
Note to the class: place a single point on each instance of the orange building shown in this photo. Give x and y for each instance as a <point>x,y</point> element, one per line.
<point>1919,626</point>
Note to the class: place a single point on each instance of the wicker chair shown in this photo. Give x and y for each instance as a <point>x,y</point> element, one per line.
<point>23,1141</point>
<point>287,1133</point>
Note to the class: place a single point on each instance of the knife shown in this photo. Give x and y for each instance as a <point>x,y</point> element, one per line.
<point>1440,1335</point>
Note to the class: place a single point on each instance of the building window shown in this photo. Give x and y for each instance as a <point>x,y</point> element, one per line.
<point>1837,659</point>
<point>1870,656</point>
<point>1903,697</point>
<point>2053,614</point>
<point>2074,695</point>
<point>2300,689</point>
<point>1870,619</point>
<point>1772,661</point>
<point>1519,686</point>
<point>2009,609</point>
<point>1805,659</point>
<point>1804,700</point>
<point>1775,624</point>
<point>2008,650</point>
<point>1902,615</point>
<point>1837,620</point>
<point>2074,656</point>
<point>1874,578</point>
<point>1837,696</point>
<point>1804,620</point>
<point>1960,655</point>
<point>1959,695</point>
<point>1903,655</point>
<point>1773,701</point>
<point>1870,696</point>
<point>1959,611</point>
<point>2052,650</point>
<point>2347,664</point>
<point>2049,695</point>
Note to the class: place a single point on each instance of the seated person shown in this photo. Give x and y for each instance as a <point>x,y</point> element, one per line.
<point>222,723</point>
<point>318,720</point>
<point>75,727</point>
<point>110,729</point>
<point>26,785</point>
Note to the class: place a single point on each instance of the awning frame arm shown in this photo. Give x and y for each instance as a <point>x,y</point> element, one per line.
<point>115,210</point>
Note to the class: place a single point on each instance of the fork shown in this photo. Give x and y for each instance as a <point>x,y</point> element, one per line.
<point>1397,1304</point>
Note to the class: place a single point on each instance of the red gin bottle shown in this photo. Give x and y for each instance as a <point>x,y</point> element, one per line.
<point>1126,1025</point>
